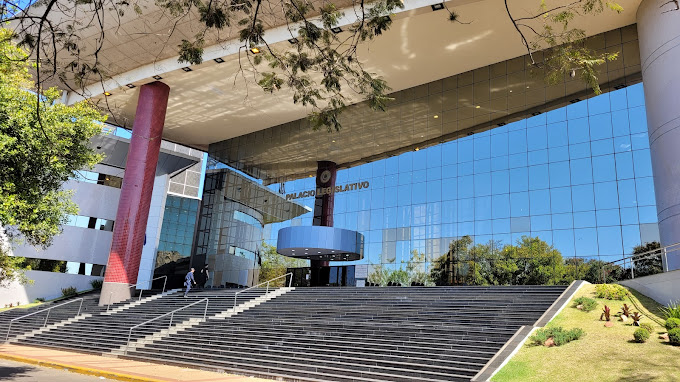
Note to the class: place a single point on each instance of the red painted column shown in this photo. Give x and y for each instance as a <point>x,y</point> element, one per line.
<point>135,194</point>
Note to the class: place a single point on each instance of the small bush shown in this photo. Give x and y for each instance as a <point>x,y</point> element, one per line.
<point>672,323</point>
<point>610,291</point>
<point>97,284</point>
<point>70,291</point>
<point>647,326</point>
<point>674,336</point>
<point>39,299</point>
<point>641,335</point>
<point>559,335</point>
<point>671,311</point>
<point>588,304</point>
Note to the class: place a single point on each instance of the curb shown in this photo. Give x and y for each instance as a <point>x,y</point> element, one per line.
<point>79,369</point>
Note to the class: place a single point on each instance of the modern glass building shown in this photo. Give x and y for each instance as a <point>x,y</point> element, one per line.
<point>578,177</point>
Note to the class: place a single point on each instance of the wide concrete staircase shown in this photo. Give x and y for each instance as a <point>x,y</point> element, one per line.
<point>360,334</point>
<point>108,333</point>
<point>315,334</point>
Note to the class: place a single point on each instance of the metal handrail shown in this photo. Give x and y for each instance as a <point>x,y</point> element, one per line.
<point>141,290</point>
<point>172,315</point>
<point>290,282</point>
<point>661,251</point>
<point>80,307</point>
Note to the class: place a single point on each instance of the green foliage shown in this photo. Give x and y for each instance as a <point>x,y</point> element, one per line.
<point>274,265</point>
<point>38,152</point>
<point>39,299</point>
<point>97,284</point>
<point>43,265</point>
<point>674,336</point>
<point>559,335</point>
<point>645,266</point>
<point>641,335</point>
<point>672,310</point>
<point>672,323</point>
<point>70,291</point>
<point>647,326</point>
<point>531,261</point>
<point>587,304</point>
<point>610,291</point>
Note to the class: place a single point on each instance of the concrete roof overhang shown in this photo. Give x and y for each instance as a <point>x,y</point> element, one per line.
<point>212,103</point>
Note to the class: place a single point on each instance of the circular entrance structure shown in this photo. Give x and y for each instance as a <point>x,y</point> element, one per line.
<point>320,243</point>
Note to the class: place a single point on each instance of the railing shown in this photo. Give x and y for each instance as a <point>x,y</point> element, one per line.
<point>48,310</point>
<point>141,290</point>
<point>290,282</point>
<point>658,253</point>
<point>172,316</point>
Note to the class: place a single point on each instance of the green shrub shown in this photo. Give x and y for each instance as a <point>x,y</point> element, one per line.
<point>647,326</point>
<point>97,284</point>
<point>559,335</point>
<point>671,311</point>
<point>588,304</point>
<point>70,291</point>
<point>674,336</point>
<point>672,323</point>
<point>641,335</point>
<point>610,291</point>
<point>40,299</point>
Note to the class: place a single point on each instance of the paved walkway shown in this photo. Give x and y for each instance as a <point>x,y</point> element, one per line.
<point>113,368</point>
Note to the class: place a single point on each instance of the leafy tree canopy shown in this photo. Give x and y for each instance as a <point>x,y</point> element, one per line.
<point>42,145</point>
<point>274,265</point>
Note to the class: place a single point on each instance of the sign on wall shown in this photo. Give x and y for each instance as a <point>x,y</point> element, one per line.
<point>328,190</point>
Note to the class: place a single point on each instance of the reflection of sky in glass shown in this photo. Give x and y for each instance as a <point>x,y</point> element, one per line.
<point>179,220</point>
<point>579,177</point>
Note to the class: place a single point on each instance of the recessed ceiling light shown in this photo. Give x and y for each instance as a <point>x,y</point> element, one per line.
<point>131,86</point>
<point>417,149</point>
<point>219,60</point>
<point>510,91</point>
<point>333,141</point>
<point>333,251</point>
<point>336,30</point>
<point>437,7</point>
<point>527,87</point>
<point>157,77</point>
<point>501,124</point>
<point>186,69</point>
<point>477,107</point>
<point>107,94</point>
<point>293,40</point>
<point>255,50</point>
<point>471,133</point>
<point>536,113</point>
<point>575,100</point>
<point>435,116</point>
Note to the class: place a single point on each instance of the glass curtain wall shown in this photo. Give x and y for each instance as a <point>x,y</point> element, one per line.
<point>574,183</point>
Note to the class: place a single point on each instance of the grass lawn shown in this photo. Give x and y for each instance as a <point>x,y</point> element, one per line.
<point>22,306</point>
<point>604,354</point>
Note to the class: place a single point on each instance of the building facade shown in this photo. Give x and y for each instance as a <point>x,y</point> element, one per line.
<point>577,177</point>
<point>79,254</point>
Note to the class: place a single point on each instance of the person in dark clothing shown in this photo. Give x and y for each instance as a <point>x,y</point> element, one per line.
<point>188,281</point>
<point>203,276</point>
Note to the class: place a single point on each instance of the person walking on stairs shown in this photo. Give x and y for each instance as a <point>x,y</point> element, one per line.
<point>204,276</point>
<point>188,281</point>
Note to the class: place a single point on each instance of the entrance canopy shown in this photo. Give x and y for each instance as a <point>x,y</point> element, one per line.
<point>213,102</point>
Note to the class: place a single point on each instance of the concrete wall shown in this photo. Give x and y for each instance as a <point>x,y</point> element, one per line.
<point>147,263</point>
<point>76,244</point>
<point>659,32</point>
<point>663,287</point>
<point>45,285</point>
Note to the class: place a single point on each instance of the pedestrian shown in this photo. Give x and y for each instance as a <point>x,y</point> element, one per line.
<point>204,276</point>
<point>188,280</point>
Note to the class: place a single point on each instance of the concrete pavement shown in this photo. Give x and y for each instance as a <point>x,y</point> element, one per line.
<point>112,368</point>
